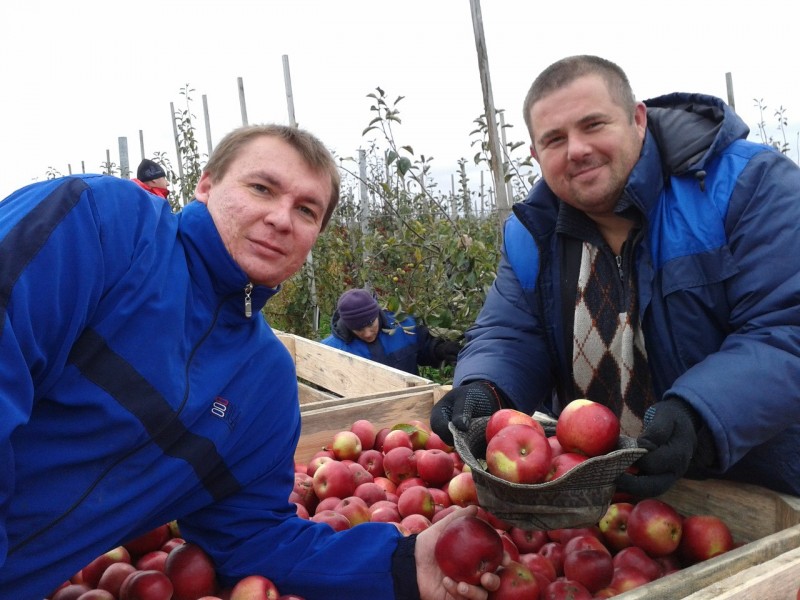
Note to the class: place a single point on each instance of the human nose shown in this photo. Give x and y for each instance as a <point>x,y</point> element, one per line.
<point>577,147</point>
<point>279,214</point>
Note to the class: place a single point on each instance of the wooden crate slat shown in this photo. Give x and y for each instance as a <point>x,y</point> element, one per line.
<point>776,579</point>
<point>346,374</point>
<point>309,395</point>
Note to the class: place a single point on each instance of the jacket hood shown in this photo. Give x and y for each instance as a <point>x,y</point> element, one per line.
<point>698,126</point>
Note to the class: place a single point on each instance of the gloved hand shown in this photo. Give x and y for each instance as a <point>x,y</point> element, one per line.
<point>462,404</point>
<point>447,351</point>
<point>670,436</point>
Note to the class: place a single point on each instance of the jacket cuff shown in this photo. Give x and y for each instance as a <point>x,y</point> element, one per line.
<point>404,569</point>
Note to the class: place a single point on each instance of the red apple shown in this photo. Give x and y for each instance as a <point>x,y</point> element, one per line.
<point>372,461</point>
<point>366,432</point>
<point>435,442</point>
<point>379,437</point>
<point>254,587</point>
<point>398,463</point>
<point>591,568</point>
<point>509,416</point>
<point>415,523</point>
<point>440,497</point>
<point>554,552</point>
<point>655,527</point>
<point>370,492</point>
<point>354,509</point>
<point>614,525</point>
<point>563,463</point>
<point>337,521</point>
<point>333,478</point>
<point>91,573</point>
<point>152,561</point>
<point>555,446</point>
<point>528,540</point>
<point>539,564</point>
<point>396,438</point>
<point>588,428</point>
<point>416,500</point>
<point>72,591</point>
<point>387,484</point>
<point>147,542</point>
<point>566,589</point>
<point>316,462</point>
<point>584,542</point>
<point>516,583</point>
<point>467,548</point>
<point>346,445</point>
<point>435,467</point>
<point>328,503</point>
<point>627,578</point>
<point>172,543</point>
<point>462,490</point>
<point>97,595</point>
<point>191,571</point>
<point>636,558</point>
<point>360,474</point>
<point>112,578</point>
<point>304,488</point>
<point>146,585</point>
<point>384,511</point>
<point>407,483</point>
<point>518,453</point>
<point>704,537</point>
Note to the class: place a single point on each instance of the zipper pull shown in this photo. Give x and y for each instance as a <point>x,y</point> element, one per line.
<point>248,300</point>
<point>619,266</point>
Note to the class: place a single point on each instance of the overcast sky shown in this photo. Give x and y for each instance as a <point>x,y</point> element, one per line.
<point>76,76</point>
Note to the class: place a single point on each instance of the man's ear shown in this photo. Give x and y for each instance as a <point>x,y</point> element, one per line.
<point>201,192</point>
<point>533,153</point>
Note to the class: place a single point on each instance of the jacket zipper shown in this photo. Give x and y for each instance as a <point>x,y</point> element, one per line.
<point>248,300</point>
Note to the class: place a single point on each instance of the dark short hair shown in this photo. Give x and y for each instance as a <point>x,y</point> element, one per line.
<point>311,149</point>
<point>563,72</point>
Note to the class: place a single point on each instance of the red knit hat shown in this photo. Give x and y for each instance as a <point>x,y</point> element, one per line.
<point>357,309</point>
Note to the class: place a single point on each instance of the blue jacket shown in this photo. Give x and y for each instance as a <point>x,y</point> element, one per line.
<point>718,281</point>
<point>134,391</point>
<point>400,344</point>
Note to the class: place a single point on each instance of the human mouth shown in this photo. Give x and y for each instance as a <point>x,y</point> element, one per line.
<point>268,248</point>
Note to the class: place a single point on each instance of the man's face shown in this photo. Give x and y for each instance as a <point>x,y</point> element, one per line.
<point>586,144</point>
<point>368,333</point>
<point>268,209</point>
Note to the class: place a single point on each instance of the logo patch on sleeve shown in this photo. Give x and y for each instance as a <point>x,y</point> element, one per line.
<point>224,409</point>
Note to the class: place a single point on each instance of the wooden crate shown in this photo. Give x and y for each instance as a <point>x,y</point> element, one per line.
<point>321,420</point>
<point>766,567</point>
<point>328,374</point>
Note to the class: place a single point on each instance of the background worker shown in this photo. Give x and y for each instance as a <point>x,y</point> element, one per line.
<point>152,177</point>
<point>361,327</point>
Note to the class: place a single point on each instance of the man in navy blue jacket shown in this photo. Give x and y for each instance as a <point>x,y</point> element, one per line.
<point>139,382</point>
<point>653,269</point>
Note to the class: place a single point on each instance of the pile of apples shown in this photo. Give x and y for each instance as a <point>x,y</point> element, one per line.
<point>408,476</point>
<point>160,565</point>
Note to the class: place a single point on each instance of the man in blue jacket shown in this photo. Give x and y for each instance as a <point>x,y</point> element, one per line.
<point>361,327</point>
<point>139,382</point>
<point>654,269</point>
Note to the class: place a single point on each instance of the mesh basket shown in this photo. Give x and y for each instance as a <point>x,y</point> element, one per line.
<point>579,498</point>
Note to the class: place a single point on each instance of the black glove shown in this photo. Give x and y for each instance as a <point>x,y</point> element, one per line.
<point>670,436</point>
<point>447,352</point>
<point>462,404</point>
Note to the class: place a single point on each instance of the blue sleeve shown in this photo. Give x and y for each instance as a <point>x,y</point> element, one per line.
<point>51,275</point>
<point>748,392</point>
<point>507,343</point>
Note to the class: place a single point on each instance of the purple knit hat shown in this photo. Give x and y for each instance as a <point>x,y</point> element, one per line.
<point>357,309</point>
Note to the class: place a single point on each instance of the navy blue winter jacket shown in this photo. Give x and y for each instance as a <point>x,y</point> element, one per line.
<point>134,391</point>
<point>718,275</point>
<point>400,344</point>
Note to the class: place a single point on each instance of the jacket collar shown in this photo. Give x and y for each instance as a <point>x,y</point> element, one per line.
<point>210,264</point>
